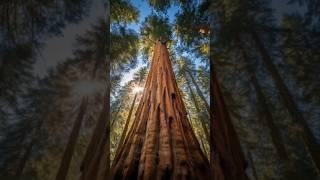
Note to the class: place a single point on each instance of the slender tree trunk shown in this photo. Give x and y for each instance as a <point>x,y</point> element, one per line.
<point>200,114</point>
<point>126,126</point>
<point>67,155</point>
<point>310,141</point>
<point>96,162</point>
<point>199,91</point>
<point>201,138</point>
<point>116,115</point>
<point>274,132</point>
<point>28,150</point>
<point>268,118</point>
<point>160,143</point>
<point>24,159</point>
<point>92,167</point>
<point>203,146</point>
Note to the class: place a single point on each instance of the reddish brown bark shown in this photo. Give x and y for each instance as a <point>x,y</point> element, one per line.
<point>227,159</point>
<point>160,143</point>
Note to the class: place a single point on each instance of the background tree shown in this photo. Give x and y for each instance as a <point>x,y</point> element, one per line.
<point>255,16</point>
<point>24,27</point>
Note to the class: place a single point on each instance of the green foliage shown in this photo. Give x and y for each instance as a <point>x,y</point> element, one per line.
<point>40,17</point>
<point>152,29</point>
<point>160,5</point>
<point>186,25</point>
<point>203,74</point>
<point>140,75</point>
<point>123,12</point>
<point>163,5</point>
<point>124,47</point>
<point>155,27</point>
<point>15,74</point>
<point>23,97</point>
<point>191,28</point>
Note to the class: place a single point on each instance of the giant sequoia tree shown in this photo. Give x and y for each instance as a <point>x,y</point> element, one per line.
<point>161,142</point>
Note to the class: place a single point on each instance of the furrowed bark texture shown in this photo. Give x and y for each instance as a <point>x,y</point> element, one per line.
<point>160,143</point>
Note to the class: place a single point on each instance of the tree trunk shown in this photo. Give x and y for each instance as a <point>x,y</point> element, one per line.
<point>200,114</point>
<point>92,167</point>
<point>201,137</point>
<point>310,141</point>
<point>203,146</point>
<point>96,162</point>
<point>24,159</point>
<point>264,109</point>
<point>199,91</point>
<point>227,159</point>
<point>28,150</point>
<point>67,155</point>
<point>113,120</point>
<point>274,132</point>
<point>160,143</point>
<point>126,126</point>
